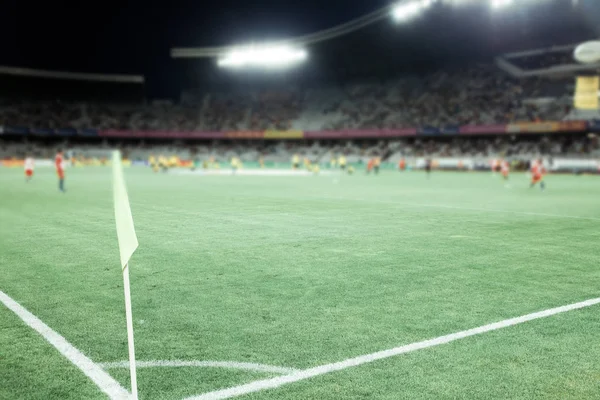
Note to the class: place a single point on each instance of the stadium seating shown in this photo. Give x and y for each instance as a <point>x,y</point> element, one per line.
<point>478,95</point>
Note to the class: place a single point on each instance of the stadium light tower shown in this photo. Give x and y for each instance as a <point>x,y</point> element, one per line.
<point>265,56</point>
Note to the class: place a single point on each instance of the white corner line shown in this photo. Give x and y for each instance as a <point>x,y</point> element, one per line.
<point>101,378</point>
<point>202,364</point>
<point>273,383</point>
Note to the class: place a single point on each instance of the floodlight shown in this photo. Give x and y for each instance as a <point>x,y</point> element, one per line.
<point>263,56</point>
<point>406,11</point>
<point>501,3</point>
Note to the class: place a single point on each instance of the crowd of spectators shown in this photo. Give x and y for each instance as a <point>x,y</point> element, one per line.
<point>512,147</point>
<point>478,95</point>
<point>505,146</point>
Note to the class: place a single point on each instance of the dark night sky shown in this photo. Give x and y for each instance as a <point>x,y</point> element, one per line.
<point>134,36</point>
<point>127,36</point>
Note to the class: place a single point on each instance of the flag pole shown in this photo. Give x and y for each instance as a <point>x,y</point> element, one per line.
<point>127,244</point>
<point>129,316</point>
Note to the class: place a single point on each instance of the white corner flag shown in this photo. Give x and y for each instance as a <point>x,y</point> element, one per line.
<point>127,244</point>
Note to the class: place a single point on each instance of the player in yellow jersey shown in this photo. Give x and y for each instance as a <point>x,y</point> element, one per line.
<point>261,161</point>
<point>163,163</point>
<point>333,162</point>
<point>173,161</point>
<point>236,164</point>
<point>307,163</point>
<point>377,164</point>
<point>152,163</point>
<point>296,161</point>
<point>342,162</point>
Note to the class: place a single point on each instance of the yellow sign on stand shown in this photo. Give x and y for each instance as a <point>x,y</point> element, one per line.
<point>586,92</point>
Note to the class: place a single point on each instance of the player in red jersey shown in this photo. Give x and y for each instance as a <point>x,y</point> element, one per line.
<point>505,169</point>
<point>370,165</point>
<point>402,164</point>
<point>537,173</point>
<point>60,170</point>
<point>495,164</point>
<point>29,164</point>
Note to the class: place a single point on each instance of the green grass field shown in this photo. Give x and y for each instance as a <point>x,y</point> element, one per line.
<point>302,271</point>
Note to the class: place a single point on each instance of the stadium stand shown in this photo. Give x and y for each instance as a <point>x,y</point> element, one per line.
<point>479,95</point>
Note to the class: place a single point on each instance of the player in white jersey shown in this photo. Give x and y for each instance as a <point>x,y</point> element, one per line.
<point>29,164</point>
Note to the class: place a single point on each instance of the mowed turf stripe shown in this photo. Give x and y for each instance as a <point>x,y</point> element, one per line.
<point>368,358</point>
<point>414,205</point>
<point>103,380</point>
<point>202,364</point>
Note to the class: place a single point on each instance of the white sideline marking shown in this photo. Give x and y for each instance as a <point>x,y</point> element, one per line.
<point>213,364</point>
<point>353,362</point>
<point>507,212</point>
<point>103,380</point>
<point>461,208</point>
<point>250,172</point>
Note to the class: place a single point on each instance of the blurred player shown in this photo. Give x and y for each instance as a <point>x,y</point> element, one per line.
<point>163,163</point>
<point>29,164</point>
<point>495,166</point>
<point>370,165</point>
<point>537,174</point>
<point>402,164</point>
<point>261,162</point>
<point>153,163</point>
<point>428,167</point>
<point>236,164</point>
<point>295,161</point>
<point>332,162</point>
<point>505,169</point>
<point>59,163</point>
<point>376,164</point>
<point>196,163</point>
<point>342,162</point>
<point>307,164</point>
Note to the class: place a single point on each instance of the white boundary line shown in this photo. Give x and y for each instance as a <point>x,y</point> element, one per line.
<point>210,364</point>
<point>103,380</point>
<point>272,383</point>
<point>415,205</point>
<point>507,212</point>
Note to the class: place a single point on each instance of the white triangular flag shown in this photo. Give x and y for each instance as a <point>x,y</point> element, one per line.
<point>125,231</point>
